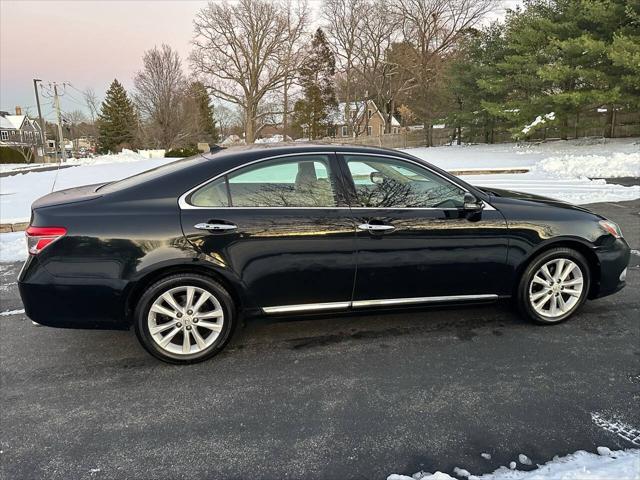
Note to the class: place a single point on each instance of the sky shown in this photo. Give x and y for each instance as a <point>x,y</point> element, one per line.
<point>88,43</point>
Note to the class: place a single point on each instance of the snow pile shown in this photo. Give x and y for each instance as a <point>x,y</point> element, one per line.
<point>124,156</point>
<point>619,465</point>
<point>593,166</point>
<point>278,138</point>
<point>13,247</point>
<point>539,121</point>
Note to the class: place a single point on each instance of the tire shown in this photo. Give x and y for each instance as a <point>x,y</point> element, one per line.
<point>538,291</point>
<point>212,318</point>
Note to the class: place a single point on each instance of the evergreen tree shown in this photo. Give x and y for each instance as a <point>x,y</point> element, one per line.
<point>117,121</point>
<point>317,80</point>
<point>559,57</point>
<point>205,124</point>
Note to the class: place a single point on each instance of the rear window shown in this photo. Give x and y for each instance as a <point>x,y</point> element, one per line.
<point>147,175</point>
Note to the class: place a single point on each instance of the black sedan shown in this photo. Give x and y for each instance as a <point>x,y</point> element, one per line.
<point>183,251</point>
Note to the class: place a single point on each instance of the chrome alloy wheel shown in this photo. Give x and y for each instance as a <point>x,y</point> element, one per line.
<point>556,288</point>
<point>185,320</point>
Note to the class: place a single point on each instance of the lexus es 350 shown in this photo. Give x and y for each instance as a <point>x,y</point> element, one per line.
<point>183,251</point>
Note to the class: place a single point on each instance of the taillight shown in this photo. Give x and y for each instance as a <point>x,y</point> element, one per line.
<point>612,228</point>
<point>38,238</point>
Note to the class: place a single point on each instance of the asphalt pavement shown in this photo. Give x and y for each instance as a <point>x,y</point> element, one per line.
<point>353,397</point>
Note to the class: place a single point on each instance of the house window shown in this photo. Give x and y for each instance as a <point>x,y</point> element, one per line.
<point>369,130</point>
<point>370,113</point>
<point>345,131</point>
<point>4,135</point>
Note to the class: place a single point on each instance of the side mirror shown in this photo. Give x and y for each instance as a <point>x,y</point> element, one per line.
<point>471,203</point>
<point>376,178</point>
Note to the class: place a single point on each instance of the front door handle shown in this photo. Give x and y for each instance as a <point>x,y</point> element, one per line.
<point>372,227</point>
<point>216,226</point>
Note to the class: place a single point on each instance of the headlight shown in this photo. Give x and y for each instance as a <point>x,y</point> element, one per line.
<point>612,228</point>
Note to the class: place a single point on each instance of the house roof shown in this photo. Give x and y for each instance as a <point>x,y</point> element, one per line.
<point>16,120</point>
<point>6,124</point>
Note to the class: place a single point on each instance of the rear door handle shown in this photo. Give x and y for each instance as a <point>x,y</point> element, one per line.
<point>372,227</point>
<point>218,227</point>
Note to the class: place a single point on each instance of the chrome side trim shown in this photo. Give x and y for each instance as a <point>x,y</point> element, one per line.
<point>310,307</point>
<point>307,307</point>
<point>415,300</point>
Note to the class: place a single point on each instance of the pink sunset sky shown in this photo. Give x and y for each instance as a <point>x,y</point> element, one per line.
<point>87,43</point>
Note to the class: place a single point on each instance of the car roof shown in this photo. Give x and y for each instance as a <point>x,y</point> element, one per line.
<point>273,149</point>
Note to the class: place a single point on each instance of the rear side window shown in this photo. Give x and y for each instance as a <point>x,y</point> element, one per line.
<point>303,181</point>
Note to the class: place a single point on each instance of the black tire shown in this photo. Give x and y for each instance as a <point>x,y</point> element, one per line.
<point>179,280</point>
<point>523,299</point>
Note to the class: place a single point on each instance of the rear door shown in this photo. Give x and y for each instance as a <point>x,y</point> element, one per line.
<point>282,227</point>
<point>415,242</point>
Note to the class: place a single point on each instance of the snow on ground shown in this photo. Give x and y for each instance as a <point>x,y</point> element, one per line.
<point>607,464</point>
<point>18,192</point>
<point>573,190</point>
<point>558,169</point>
<point>13,247</point>
<point>511,155</point>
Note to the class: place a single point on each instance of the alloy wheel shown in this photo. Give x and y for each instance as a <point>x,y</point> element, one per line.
<point>556,288</point>
<point>185,320</point>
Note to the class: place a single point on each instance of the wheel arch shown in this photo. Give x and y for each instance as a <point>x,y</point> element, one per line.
<point>141,284</point>
<point>579,245</point>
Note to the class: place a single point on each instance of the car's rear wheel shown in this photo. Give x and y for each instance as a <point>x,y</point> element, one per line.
<point>554,286</point>
<point>184,318</point>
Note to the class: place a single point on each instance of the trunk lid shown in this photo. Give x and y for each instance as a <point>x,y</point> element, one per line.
<point>69,195</point>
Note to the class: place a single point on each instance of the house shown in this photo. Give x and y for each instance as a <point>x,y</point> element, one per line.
<point>20,131</point>
<point>365,119</point>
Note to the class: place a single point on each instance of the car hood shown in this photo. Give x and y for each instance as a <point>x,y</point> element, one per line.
<point>530,197</point>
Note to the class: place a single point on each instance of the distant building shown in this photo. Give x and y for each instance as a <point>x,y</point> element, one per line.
<point>364,118</point>
<point>20,131</point>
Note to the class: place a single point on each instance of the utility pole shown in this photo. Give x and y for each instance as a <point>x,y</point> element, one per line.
<point>43,128</point>
<point>56,101</point>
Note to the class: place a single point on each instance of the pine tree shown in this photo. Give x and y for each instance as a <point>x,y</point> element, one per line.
<point>317,80</point>
<point>117,121</point>
<point>205,122</point>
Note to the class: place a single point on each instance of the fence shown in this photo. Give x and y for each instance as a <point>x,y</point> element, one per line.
<point>627,124</point>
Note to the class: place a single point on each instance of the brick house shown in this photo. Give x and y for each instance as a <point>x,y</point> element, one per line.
<point>366,119</point>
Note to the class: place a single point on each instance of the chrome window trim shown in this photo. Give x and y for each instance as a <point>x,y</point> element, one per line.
<point>488,206</point>
<point>182,200</point>
<point>310,307</point>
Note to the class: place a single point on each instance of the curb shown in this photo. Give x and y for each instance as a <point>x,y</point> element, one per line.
<point>13,227</point>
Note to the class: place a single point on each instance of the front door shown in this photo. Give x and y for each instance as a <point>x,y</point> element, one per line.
<point>415,243</point>
<point>281,228</point>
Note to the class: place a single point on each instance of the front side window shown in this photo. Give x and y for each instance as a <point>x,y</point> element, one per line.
<point>390,183</point>
<point>303,181</point>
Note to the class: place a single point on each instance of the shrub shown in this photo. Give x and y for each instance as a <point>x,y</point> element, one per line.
<point>182,152</point>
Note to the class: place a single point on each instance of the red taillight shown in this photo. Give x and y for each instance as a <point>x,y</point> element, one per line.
<point>39,238</point>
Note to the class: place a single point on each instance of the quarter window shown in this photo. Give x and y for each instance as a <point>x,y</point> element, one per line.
<point>389,183</point>
<point>292,182</point>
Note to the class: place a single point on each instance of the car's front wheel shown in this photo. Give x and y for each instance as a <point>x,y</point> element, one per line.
<point>554,286</point>
<point>184,318</point>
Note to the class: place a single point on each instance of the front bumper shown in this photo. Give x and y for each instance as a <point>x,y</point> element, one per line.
<point>614,260</point>
<point>70,302</point>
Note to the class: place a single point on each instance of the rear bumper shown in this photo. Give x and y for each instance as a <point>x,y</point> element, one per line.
<point>70,302</point>
<point>614,260</point>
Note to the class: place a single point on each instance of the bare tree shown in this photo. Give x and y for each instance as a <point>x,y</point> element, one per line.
<point>433,29</point>
<point>159,92</point>
<point>297,21</point>
<point>238,50</point>
<point>93,104</point>
<point>344,27</point>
